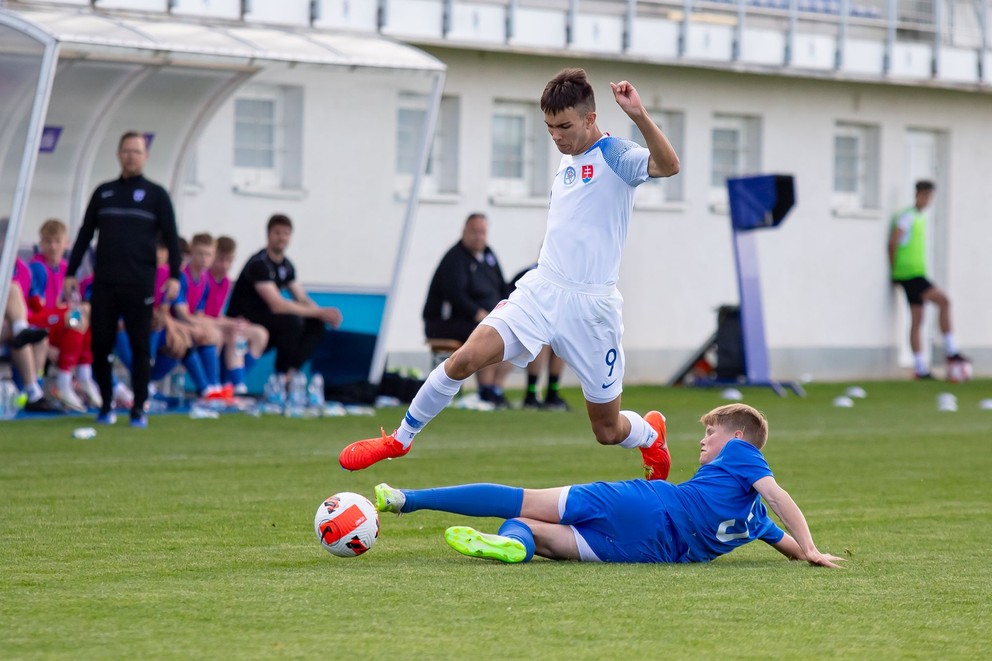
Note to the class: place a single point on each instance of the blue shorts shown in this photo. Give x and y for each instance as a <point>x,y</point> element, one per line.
<point>622,521</point>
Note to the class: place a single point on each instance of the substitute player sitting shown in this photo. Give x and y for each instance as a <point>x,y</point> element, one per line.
<point>699,520</point>
<point>570,301</point>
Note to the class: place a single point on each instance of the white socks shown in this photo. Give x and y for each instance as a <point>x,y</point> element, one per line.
<point>436,393</point>
<point>919,363</point>
<point>950,344</point>
<point>642,435</point>
<point>64,381</point>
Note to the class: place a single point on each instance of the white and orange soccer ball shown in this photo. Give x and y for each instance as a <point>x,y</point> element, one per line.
<point>958,371</point>
<point>346,524</point>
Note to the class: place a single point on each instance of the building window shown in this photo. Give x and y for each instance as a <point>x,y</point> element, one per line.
<point>519,166</point>
<point>441,175</point>
<point>856,167</point>
<point>268,137</point>
<point>736,151</point>
<point>655,192</point>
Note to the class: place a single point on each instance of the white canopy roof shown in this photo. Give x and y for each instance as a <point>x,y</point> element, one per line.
<point>88,33</point>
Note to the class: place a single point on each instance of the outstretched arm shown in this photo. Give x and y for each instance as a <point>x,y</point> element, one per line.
<point>664,162</point>
<point>800,545</point>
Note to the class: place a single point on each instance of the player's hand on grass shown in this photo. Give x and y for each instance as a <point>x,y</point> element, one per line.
<point>818,559</point>
<point>627,98</point>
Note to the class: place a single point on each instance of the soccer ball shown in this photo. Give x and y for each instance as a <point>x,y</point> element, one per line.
<point>958,371</point>
<point>346,524</point>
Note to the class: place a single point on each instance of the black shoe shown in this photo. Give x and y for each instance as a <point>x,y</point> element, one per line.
<point>499,401</point>
<point>531,402</point>
<point>958,358</point>
<point>555,403</point>
<point>30,335</point>
<point>926,376</point>
<point>41,405</point>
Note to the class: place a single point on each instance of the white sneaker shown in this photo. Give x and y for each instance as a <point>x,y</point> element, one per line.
<point>90,392</point>
<point>69,399</point>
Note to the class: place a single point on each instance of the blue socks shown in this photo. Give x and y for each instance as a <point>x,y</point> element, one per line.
<point>195,370</point>
<point>468,499</point>
<point>210,362</point>
<point>520,531</point>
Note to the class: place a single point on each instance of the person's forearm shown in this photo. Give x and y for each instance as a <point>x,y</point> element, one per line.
<point>787,510</point>
<point>662,153</point>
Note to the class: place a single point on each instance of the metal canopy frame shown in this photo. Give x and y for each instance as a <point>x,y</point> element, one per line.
<point>155,44</point>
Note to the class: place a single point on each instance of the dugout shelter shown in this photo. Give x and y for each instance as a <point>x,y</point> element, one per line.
<point>72,80</point>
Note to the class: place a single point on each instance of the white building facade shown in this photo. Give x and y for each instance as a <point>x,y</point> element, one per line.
<point>857,101</point>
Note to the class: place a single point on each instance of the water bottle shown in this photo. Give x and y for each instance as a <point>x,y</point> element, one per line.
<point>296,400</point>
<point>240,347</point>
<point>75,320</point>
<point>177,386</point>
<point>274,395</point>
<point>315,395</point>
<point>8,400</point>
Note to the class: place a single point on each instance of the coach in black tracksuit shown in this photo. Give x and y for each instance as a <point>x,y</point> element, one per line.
<point>129,213</point>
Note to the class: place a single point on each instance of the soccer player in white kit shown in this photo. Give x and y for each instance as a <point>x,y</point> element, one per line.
<point>570,301</point>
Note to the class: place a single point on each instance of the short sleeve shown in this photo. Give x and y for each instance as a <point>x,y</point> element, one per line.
<point>745,462</point>
<point>627,159</point>
<point>257,272</point>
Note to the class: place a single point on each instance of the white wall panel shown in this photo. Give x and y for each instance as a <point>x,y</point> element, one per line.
<point>710,42</point>
<point>763,47</point>
<point>141,5</point>
<point>282,12</point>
<point>539,27</point>
<point>864,57</point>
<point>598,33</point>
<point>654,38</point>
<point>478,23</point>
<point>911,60</point>
<point>814,51</point>
<point>229,9</point>
<point>350,14</point>
<point>958,64</point>
<point>414,18</point>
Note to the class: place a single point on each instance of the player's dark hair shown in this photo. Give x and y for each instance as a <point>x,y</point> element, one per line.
<point>472,216</point>
<point>52,227</point>
<point>226,245</point>
<point>924,186</point>
<point>279,219</point>
<point>202,239</point>
<point>131,134</point>
<point>183,246</point>
<point>569,89</point>
<point>749,420</point>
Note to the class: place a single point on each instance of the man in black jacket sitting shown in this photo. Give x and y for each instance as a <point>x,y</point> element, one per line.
<point>467,285</point>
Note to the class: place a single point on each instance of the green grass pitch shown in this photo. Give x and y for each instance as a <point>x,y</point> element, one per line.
<point>194,539</point>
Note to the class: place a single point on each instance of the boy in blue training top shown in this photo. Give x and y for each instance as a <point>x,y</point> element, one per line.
<point>711,514</point>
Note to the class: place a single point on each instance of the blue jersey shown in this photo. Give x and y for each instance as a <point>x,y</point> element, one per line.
<point>709,515</point>
<point>722,509</point>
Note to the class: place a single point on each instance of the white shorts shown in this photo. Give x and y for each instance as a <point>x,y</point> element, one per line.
<point>583,324</point>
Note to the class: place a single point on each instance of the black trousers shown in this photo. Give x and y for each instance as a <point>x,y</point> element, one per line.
<point>108,304</point>
<point>293,337</point>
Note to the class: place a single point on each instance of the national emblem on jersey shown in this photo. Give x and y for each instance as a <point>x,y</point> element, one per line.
<point>569,177</point>
<point>139,194</point>
<point>586,174</point>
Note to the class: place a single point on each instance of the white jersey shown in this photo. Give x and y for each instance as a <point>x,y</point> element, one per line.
<point>591,200</point>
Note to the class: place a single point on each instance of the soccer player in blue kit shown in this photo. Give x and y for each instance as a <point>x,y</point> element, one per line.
<point>570,301</point>
<point>710,515</point>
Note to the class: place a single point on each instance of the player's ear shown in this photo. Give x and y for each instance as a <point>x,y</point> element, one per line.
<point>590,120</point>
<point>739,434</point>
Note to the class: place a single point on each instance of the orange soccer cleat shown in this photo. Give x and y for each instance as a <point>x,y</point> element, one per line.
<point>362,454</point>
<point>657,460</point>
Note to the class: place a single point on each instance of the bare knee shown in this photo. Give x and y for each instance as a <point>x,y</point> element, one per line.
<point>607,432</point>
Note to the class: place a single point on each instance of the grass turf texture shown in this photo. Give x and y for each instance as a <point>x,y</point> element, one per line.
<point>194,538</point>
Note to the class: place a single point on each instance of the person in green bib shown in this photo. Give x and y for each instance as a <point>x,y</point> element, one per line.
<point>908,261</point>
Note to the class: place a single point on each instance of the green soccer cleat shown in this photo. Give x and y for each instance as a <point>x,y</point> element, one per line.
<point>388,499</point>
<point>471,542</point>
